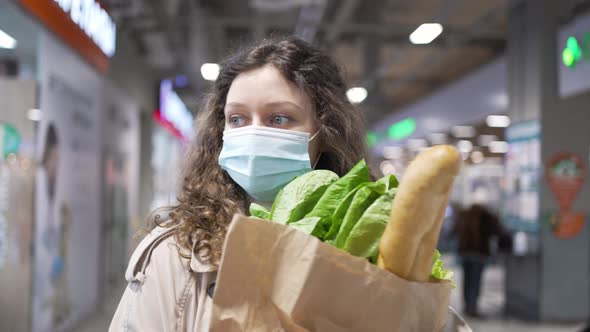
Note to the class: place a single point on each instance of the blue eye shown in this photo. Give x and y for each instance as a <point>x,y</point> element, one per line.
<point>236,121</point>
<point>280,119</point>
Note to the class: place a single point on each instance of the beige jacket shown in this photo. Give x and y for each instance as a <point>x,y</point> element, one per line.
<point>162,294</point>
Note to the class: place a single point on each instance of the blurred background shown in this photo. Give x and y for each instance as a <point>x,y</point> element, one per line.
<point>97,101</point>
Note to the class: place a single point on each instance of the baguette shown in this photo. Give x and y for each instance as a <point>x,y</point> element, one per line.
<point>410,238</point>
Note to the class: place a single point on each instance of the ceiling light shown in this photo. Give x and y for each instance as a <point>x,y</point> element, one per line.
<point>477,157</point>
<point>210,71</point>
<point>34,114</point>
<point>500,121</point>
<point>438,138</point>
<point>498,147</point>
<point>392,152</point>
<point>426,33</point>
<point>463,131</point>
<point>465,146</point>
<point>356,95</point>
<point>484,140</point>
<point>6,41</point>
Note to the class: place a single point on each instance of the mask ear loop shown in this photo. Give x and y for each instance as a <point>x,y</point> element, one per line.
<point>314,135</point>
<point>317,160</point>
<point>320,154</point>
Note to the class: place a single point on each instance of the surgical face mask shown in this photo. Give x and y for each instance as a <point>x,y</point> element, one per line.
<point>263,160</point>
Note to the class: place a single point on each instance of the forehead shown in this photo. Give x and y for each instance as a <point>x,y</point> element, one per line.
<point>266,85</point>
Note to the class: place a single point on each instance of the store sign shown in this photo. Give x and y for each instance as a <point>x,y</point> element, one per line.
<point>10,140</point>
<point>82,24</point>
<point>94,21</point>
<point>173,112</point>
<point>565,174</point>
<point>574,57</point>
<point>576,51</point>
<point>395,132</point>
<point>402,129</point>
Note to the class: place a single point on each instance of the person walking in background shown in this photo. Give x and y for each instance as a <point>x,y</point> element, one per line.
<point>475,229</point>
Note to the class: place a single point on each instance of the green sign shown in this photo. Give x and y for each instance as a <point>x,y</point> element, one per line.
<point>371,138</point>
<point>10,139</point>
<point>574,51</point>
<point>402,129</point>
<point>396,132</point>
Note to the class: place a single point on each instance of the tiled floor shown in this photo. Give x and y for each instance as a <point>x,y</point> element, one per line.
<point>491,303</point>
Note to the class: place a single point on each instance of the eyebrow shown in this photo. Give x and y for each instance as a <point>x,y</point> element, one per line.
<point>235,104</point>
<point>283,103</point>
<point>271,104</point>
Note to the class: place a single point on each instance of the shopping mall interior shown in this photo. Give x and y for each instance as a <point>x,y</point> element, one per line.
<point>103,101</point>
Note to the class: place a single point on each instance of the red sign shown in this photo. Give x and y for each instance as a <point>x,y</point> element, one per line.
<point>565,173</point>
<point>60,23</point>
<point>157,116</point>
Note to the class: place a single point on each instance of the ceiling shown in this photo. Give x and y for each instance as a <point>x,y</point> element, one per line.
<point>368,38</point>
<point>25,31</point>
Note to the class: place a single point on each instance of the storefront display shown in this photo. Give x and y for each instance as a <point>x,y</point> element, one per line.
<point>67,226</point>
<point>166,156</point>
<point>521,183</point>
<point>57,110</point>
<point>18,95</point>
<point>173,128</point>
<point>120,188</point>
<point>16,202</point>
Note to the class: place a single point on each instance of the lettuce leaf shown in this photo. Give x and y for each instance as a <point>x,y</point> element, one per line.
<point>259,211</point>
<point>363,240</point>
<point>339,213</point>
<point>300,196</point>
<point>363,198</point>
<point>438,270</point>
<point>306,225</point>
<point>329,201</point>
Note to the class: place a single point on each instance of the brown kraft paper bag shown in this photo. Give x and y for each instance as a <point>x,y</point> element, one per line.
<point>276,278</point>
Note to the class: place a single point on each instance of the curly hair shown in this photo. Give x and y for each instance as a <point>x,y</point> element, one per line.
<point>209,197</point>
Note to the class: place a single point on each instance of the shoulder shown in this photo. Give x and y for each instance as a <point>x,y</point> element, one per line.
<point>163,291</point>
<point>160,251</point>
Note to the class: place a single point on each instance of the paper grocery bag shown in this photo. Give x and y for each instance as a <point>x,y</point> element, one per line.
<point>275,278</point>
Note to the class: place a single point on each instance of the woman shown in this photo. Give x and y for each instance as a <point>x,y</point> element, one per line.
<point>276,110</point>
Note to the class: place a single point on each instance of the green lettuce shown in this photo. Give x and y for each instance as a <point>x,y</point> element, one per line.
<point>327,204</point>
<point>306,225</point>
<point>438,270</point>
<point>363,198</point>
<point>363,240</point>
<point>339,214</point>
<point>350,213</point>
<point>300,196</point>
<point>259,211</point>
